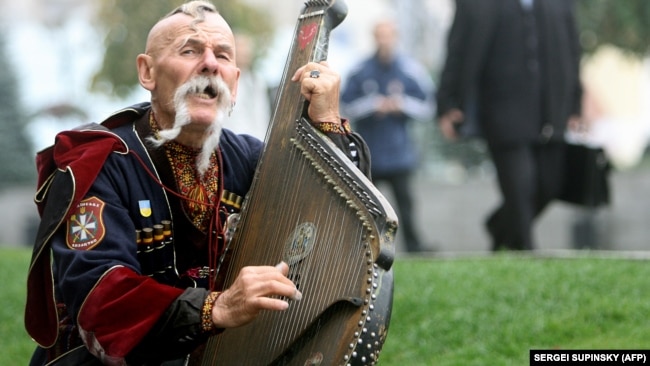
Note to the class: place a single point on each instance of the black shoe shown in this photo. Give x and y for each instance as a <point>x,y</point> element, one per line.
<point>497,241</point>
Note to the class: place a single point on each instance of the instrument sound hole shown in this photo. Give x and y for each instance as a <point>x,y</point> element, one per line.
<point>299,243</point>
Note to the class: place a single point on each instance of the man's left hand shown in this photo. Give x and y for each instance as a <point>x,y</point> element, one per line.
<point>320,85</point>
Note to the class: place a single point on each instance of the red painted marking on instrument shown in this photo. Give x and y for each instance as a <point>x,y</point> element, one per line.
<point>307,34</point>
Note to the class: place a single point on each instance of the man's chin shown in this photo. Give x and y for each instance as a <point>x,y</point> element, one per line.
<point>202,116</point>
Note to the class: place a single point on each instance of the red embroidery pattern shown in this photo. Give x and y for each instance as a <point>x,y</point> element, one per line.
<point>202,193</point>
<point>190,185</point>
<point>333,127</point>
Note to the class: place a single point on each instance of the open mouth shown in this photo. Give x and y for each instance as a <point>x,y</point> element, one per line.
<point>209,89</point>
<point>207,93</point>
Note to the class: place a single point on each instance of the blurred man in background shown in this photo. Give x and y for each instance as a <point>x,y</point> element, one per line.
<point>520,60</point>
<point>383,95</point>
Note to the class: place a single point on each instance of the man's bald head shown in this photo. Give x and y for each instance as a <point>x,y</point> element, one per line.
<point>162,32</point>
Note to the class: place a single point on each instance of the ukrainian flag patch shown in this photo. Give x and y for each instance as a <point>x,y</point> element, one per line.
<point>145,208</point>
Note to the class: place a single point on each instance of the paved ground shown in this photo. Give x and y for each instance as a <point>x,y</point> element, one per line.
<point>450,216</point>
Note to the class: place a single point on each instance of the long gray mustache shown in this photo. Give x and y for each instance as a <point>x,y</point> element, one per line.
<point>196,85</point>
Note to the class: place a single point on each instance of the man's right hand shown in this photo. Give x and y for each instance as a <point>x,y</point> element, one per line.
<point>256,288</point>
<point>448,122</point>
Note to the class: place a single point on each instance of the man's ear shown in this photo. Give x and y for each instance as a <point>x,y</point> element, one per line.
<point>144,64</point>
<point>233,92</point>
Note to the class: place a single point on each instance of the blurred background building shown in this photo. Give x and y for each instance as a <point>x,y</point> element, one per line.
<point>52,50</point>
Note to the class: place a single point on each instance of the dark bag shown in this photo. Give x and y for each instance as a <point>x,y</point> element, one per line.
<point>586,176</point>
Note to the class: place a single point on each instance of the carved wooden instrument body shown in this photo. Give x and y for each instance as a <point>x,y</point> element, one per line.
<point>312,208</point>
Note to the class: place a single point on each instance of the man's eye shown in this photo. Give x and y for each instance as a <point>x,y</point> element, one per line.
<point>188,51</point>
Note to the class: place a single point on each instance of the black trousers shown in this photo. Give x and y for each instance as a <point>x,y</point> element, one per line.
<point>530,177</point>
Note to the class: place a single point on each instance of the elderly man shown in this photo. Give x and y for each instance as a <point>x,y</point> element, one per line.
<point>131,209</point>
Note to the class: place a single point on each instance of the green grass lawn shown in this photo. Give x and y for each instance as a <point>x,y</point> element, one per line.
<point>492,311</point>
<point>16,345</point>
<point>467,311</point>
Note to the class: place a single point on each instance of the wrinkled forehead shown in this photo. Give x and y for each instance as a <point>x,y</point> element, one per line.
<point>177,29</point>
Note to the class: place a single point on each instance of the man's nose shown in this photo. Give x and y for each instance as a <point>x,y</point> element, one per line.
<point>210,63</point>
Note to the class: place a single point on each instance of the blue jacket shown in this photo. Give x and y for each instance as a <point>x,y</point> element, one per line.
<point>388,136</point>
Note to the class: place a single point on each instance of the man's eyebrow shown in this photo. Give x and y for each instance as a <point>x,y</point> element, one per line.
<point>227,48</point>
<point>191,41</point>
<point>198,42</point>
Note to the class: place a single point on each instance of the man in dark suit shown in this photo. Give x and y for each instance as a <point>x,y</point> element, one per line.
<point>517,63</point>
